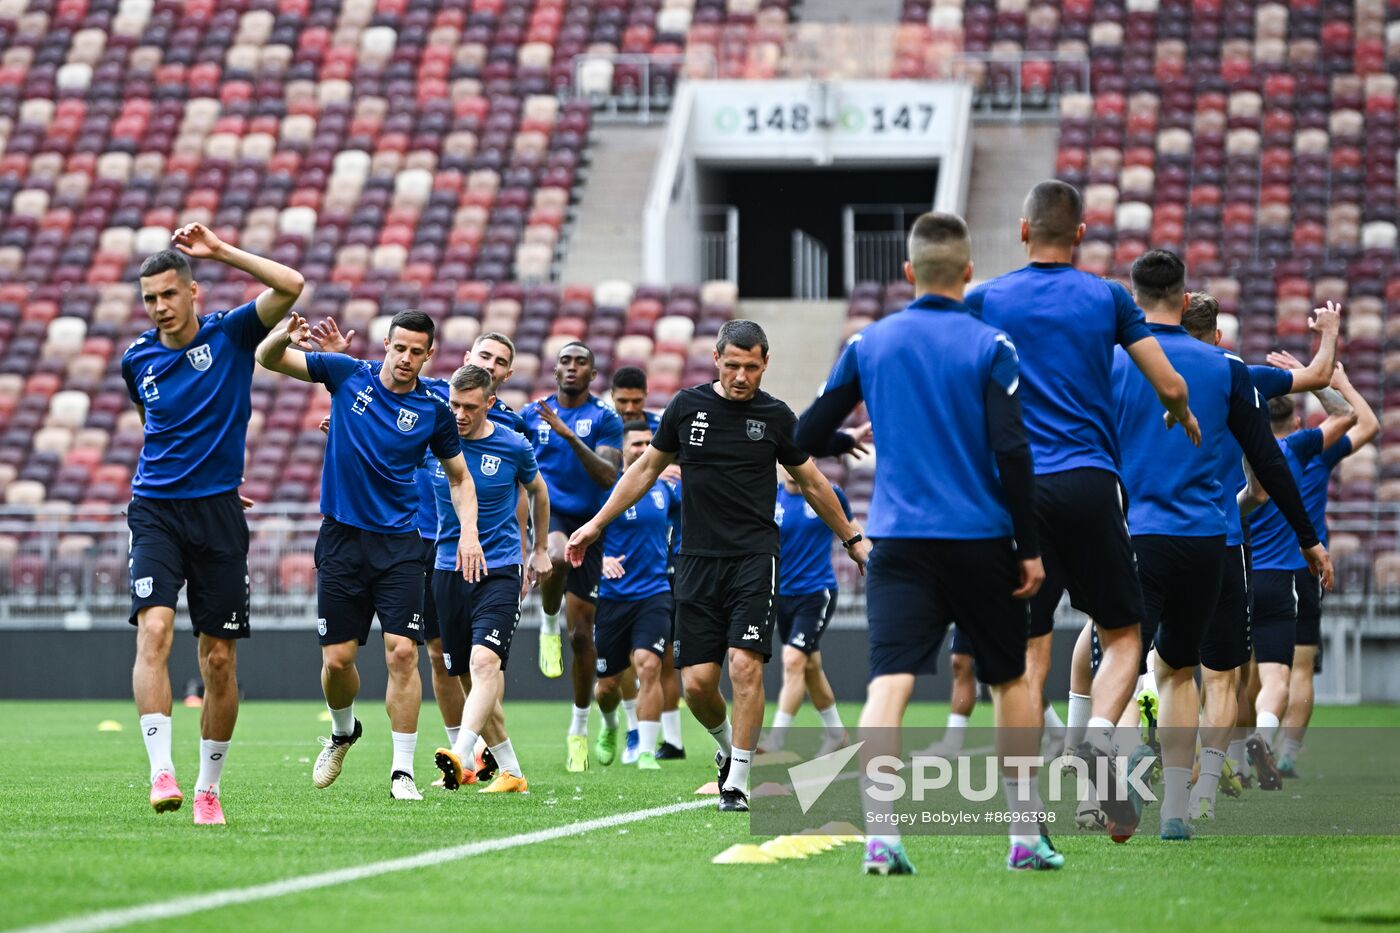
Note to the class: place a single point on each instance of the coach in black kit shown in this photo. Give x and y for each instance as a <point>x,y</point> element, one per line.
<point>727,436</point>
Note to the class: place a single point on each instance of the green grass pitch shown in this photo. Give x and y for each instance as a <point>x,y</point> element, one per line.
<point>78,836</point>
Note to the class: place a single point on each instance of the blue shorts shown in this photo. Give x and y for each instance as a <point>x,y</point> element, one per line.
<point>958,643</point>
<point>802,619</point>
<point>482,613</point>
<point>199,544</point>
<point>1275,626</point>
<point>583,580</point>
<point>361,574</point>
<point>916,588</point>
<point>624,626</point>
<point>430,621</point>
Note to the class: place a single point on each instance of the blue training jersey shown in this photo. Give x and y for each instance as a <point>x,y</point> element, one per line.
<point>377,441</point>
<point>1316,476</point>
<point>923,373</point>
<point>1065,324</point>
<point>1272,543</point>
<point>197,401</point>
<point>500,413</point>
<point>642,534</point>
<point>804,566</point>
<point>498,464</point>
<point>1269,383</point>
<point>571,490</point>
<point>1173,486</point>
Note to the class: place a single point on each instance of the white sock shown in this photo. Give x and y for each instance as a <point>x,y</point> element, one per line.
<point>1290,749</point>
<point>342,720</point>
<point>1266,726</point>
<point>1212,764</point>
<point>955,733</point>
<point>1099,732</point>
<point>464,747</point>
<point>609,717</point>
<point>1023,800</point>
<point>777,736</point>
<point>405,744</point>
<point>1079,706</point>
<point>1175,783</point>
<point>549,622</point>
<point>739,761</point>
<point>647,731</point>
<point>831,718</point>
<point>211,765</point>
<point>579,724</point>
<point>505,758</point>
<point>671,728</point>
<point>452,732</point>
<point>724,735</point>
<point>1052,720</point>
<point>155,730</point>
<point>629,707</point>
<point>1236,752</point>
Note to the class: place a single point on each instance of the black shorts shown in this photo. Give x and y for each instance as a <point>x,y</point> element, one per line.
<point>802,619</point>
<point>1225,644</point>
<point>482,613</point>
<point>723,603</point>
<point>1309,607</point>
<point>1275,624</point>
<point>1180,591</point>
<point>583,580</point>
<point>625,626</point>
<point>959,643</point>
<point>430,616</point>
<point>916,588</point>
<point>1085,547</point>
<point>363,573</point>
<point>199,542</point>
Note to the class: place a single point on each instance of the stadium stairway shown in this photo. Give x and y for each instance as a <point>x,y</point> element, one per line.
<point>1006,161</point>
<point>801,335</point>
<point>607,242</point>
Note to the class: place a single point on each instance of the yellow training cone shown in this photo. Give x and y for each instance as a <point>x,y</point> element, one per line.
<point>782,848</point>
<point>834,840</point>
<point>109,725</point>
<point>325,716</point>
<point>744,855</point>
<point>826,842</point>
<point>808,844</point>
<point>847,831</point>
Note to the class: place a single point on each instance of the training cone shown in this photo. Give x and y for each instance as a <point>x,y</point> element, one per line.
<point>782,848</point>
<point>819,840</point>
<point>109,725</point>
<point>777,758</point>
<point>834,840</point>
<point>846,832</point>
<point>808,844</point>
<point>771,789</point>
<point>708,790</point>
<point>325,716</point>
<point>193,701</point>
<point>743,855</point>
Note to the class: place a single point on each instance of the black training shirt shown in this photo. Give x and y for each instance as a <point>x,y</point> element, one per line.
<point>727,451</point>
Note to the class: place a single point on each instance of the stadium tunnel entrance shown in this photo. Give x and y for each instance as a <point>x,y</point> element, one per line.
<point>808,233</point>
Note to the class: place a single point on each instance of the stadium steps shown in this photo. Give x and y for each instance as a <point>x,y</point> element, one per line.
<point>607,242</point>
<point>1006,161</point>
<point>801,335</point>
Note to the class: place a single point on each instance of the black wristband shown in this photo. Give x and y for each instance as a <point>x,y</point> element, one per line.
<point>856,538</point>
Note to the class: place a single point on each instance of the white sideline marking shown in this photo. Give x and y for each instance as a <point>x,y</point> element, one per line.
<point>183,906</point>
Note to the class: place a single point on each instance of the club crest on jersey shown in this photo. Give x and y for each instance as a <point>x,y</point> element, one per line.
<point>756,429</point>
<point>407,419</point>
<point>200,357</point>
<point>658,498</point>
<point>489,465</point>
<point>584,427</point>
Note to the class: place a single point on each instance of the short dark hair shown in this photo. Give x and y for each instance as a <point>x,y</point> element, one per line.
<point>1159,277</point>
<point>499,338</point>
<point>576,343</point>
<point>630,377</point>
<point>939,249</point>
<point>1202,316</point>
<point>1281,411</point>
<point>471,377</point>
<point>415,321</point>
<point>1054,211</point>
<point>637,425</point>
<point>742,334</point>
<point>166,260</point>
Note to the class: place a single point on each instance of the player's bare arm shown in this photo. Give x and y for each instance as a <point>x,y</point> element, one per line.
<point>1171,389</point>
<point>278,351</point>
<point>1367,426</point>
<point>816,489</point>
<point>471,561</point>
<point>1253,495</point>
<point>639,478</point>
<point>602,464</point>
<point>539,565</point>
<point>284,285</point>
<point>1327,324</point>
